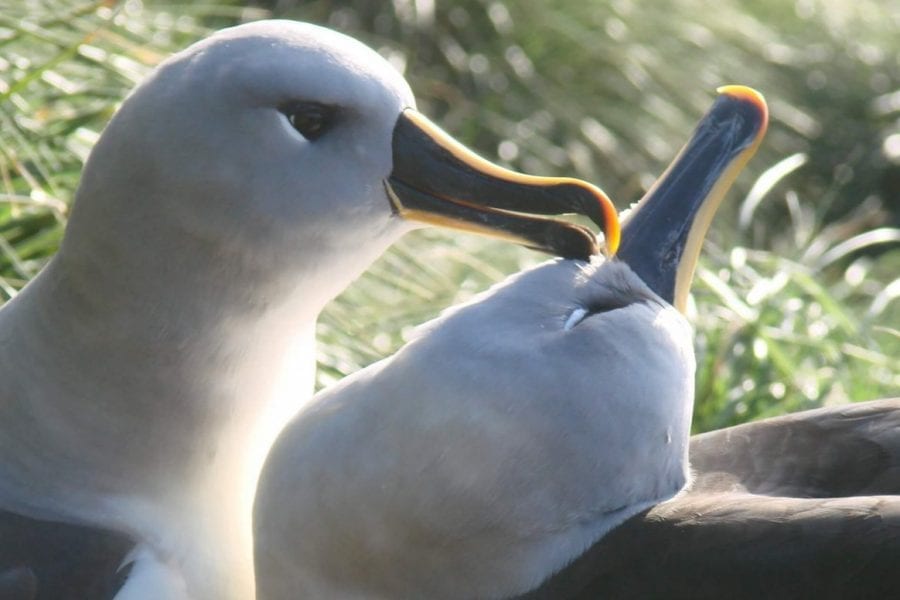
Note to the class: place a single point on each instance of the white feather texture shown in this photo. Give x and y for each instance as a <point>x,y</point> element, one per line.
<point>146,371</point>
<point>151,579</point>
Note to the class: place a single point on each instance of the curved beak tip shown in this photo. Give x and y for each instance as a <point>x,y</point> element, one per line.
<point>612,230</point>
<point>438,181</point>
<point>749,96</point>
<point>742,92</point>
<point>664,232</point>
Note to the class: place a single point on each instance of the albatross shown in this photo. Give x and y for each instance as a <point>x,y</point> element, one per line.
<point>482,458</point>
<point>148,368</point>
<point>515,431</point>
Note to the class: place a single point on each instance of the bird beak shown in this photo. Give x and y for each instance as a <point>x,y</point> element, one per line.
<point>663,233</point>
<point>437,180</point>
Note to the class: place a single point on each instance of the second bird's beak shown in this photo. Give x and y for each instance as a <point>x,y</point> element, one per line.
<point>662,235</point>
<point>437,180</point>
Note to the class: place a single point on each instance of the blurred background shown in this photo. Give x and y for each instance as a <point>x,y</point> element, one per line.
<point>797,299</point>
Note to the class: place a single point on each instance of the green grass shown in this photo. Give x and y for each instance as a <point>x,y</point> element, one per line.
<point>795,301</point>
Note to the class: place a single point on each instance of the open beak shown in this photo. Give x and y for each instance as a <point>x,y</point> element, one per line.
<point>663,233</point>
<point>437,180</point>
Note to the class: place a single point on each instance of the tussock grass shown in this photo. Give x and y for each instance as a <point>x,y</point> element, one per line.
<point>796,301</point>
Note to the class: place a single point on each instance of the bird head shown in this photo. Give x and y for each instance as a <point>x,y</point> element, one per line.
<point>280,147</point>
<point>516,429</point>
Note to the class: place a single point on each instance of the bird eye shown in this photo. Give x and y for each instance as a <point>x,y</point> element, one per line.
<point>597,306</point>
<point>310,119</point>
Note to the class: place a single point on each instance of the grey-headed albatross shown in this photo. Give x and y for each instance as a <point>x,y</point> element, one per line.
<point>147,369</point>
<point>515,431</point>
<point>512,440</point>
<point>801,506</point>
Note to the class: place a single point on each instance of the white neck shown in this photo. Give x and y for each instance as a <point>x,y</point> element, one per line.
<point>150,408</point>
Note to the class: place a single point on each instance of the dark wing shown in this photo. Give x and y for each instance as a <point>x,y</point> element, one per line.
<point>18,583</point>
<point>47,560</point>
<point>850,450</point>
<point>799,506</point>
<point>743,546</point>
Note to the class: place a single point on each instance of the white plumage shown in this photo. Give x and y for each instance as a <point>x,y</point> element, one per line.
<point>148,368</point>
